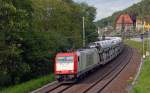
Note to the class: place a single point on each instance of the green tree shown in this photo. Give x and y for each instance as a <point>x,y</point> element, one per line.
<point>33,31</point>
<point>13,19</point>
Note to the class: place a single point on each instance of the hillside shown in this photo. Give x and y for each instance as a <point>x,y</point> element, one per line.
<point>33,31</point>
<point>140,10</point>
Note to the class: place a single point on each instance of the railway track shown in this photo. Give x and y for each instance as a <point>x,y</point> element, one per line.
<point>98,80</point>
<point>101,84</point>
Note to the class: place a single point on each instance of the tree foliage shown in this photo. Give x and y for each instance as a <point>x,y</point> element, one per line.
<point>33,31</point>
<point>140,10</point>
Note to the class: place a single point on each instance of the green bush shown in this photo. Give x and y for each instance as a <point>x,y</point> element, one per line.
<point>30,85</point>
<point>33,31</point>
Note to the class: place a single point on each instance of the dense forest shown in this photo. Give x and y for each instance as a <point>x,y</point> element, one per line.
<point>33,31</point>
<point>139,10</point>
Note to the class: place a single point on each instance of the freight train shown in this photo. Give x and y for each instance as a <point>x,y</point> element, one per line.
<point>72,66</point>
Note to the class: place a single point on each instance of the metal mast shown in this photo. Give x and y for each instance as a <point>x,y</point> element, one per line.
<point>83,32</point>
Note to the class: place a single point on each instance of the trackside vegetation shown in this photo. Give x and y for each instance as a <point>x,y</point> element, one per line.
<point>134,44</point>
<point>30,85</point>
<point>33,31</point>
<point>139,45</point>
<point>143,83</point>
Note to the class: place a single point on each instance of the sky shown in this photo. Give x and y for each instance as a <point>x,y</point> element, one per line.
<point>106,8</point>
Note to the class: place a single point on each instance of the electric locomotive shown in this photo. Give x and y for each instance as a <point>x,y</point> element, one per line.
<point>71,66</point>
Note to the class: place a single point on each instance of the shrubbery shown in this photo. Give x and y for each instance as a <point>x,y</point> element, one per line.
<point>33,31</point>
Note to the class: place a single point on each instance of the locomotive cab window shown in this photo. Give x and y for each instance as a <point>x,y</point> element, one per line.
<point>65,59</point>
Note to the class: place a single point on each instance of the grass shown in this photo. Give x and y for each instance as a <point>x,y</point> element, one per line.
<point>143,84</point>
<point>138,45</point>
<point>134,44</point>
<point>30,85</point>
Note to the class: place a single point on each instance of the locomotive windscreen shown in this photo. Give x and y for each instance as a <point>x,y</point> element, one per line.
<point>65,63</point>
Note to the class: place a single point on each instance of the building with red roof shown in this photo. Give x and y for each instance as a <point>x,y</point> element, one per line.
<point>125,21</point>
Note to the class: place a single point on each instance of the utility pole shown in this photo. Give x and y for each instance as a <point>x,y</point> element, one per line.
<point>148,40</point>
<point>148,46</point>
<point>99,32</point>
<point>122,28</point>
<point>83,32</point>
<point>143,37</point>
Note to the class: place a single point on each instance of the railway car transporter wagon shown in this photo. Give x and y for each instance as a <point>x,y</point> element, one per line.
<point>72,66</point>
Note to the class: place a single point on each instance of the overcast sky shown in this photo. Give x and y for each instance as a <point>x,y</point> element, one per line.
<point>106,8</point>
